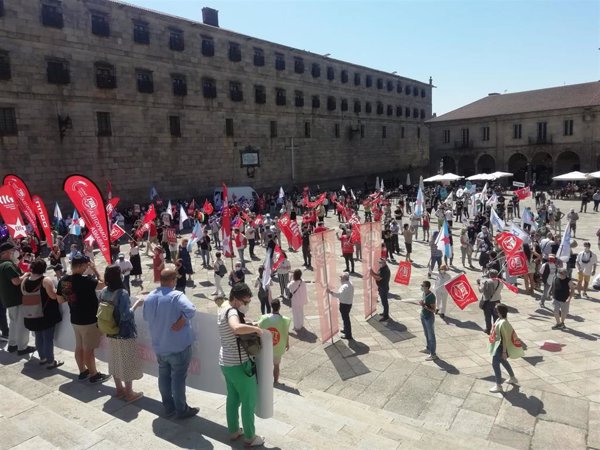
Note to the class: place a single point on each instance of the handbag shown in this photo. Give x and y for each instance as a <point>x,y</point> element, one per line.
<point>250,343</point>
<point>32,302</point>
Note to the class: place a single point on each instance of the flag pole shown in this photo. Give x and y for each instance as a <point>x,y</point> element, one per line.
<point>327,285</point>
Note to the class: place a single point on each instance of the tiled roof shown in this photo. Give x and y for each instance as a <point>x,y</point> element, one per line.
<point>572,96</point>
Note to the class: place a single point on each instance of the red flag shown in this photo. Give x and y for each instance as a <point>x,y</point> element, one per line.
<point>517,264</point>
<point>111,205</point>
<point>511,287</point>
<point>523,193</point>
<point>208,207</point>
<point>461,291</point>
<point>191,208</point>
<point>139,233</point>
<point>116,232</point>
<point>10,213</point>
<point>21,194</point>
<point>509,243</point>
<point>258,221</point>
<point>226,225</point>
<point>89,202</point>
<point>314,204</point>
<point>403,274</point>
<point>42,215</point>
<point>291,231</point>
<point>150,215</point>
<point>278,257</point>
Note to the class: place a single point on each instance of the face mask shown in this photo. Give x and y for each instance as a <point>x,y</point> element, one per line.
<point>244,309</point>
<point>422,289</point>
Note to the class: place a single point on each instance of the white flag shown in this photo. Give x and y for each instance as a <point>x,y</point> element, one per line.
<point>496,220</point>
<point>281,193</point>
<point>170,210</point>
<point>449,199</point>
<point>343,188</point>
<point>381,185</point>
<point>564,250</point>
<point>57,212</point>
<point>518,231</point>
<point>182,217</point>
<point>266,278</point>
<point>377,184</point>
<point>352,193</point>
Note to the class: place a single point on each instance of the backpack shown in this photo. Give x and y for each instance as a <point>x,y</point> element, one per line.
<point>106,314</point>
<point>32,302</point>
<point>222,270</point>
<point>489,289</point>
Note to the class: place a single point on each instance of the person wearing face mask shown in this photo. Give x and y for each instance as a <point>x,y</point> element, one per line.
<point>586,267</point>
<point>11,278</point>
<point>548,272</point>
<point>382,278</point>
<point>168,313</point>
<point>428,319</point>
<point>237,367</point>
<point>563,292</point>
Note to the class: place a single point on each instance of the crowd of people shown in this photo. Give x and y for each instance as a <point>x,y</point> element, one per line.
<point>102,304</point>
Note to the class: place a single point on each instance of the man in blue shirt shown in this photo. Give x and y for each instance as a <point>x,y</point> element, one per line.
<point>168,313</point>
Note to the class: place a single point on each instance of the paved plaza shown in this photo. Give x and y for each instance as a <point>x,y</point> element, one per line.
<point>375,392</point>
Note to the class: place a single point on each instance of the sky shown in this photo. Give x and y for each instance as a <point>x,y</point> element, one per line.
<point>470,48</point>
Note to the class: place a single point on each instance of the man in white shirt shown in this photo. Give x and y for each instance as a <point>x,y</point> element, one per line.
<point>546,246</point>
<point>126,268</point>
<point>586,267</point>
<point>346,294</point>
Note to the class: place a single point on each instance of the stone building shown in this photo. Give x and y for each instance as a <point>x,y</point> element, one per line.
<point>534,134</point>
<point>140,98</point>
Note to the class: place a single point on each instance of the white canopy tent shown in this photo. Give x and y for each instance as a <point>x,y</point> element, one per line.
<point>572,176</point>
<point>497,175</point>
<point>594,174</point>
<point>489,176</point>
<point>444,177</point>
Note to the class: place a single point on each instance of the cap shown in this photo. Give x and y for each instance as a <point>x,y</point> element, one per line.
<point>5,246</point>
<point>79,259</point>
<point>121,255</point>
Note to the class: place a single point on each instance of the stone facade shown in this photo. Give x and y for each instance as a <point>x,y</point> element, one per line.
<point>138,148</point>
<point>517,142</point>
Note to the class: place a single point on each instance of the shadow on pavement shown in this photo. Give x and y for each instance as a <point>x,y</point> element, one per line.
<point>446,366</point>
<point>579,334</point>
<point>286,388</point>
<point>392,330</point>
<point>339,355</point>
<point>533,360</point>
<point>533,405</point>
<point>468,324</point>
<point>304,335</point>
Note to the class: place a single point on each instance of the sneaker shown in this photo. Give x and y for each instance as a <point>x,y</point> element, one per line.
<point>12,348</point>
<point>257,441</point>
<point>563,326</point>
<point>424,351</point>
<point>442,315</point>
<point>189,412</point>
<point>558,326</point>
<point>99,378</point>
<point>496,388</point>
<point>26,351</point>
<point>83,375</point>
<point>383,319</point>
<point>433,357</point>
<point>513,380</point>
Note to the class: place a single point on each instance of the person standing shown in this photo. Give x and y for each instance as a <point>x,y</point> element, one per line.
<point>306,246</point>
<point>240,244</point>
<point>204,243</point>
<point>586,267</point>
<point>346,295</point>
<point>43,327</point>
<point>220,270</point>
<point>347,250</point>
<point>428,319</point>
<point>10,295</point>
<point>283,274</point>
<point>79,291</point>
<point>548,272</point>
<point>441,294</point>
<point>382,278</point>
<point>466,249</point>
<point>596,199</point>
<point>504,344</point>
<point>491,289</point>
<point>563,292</point>
<point>279,326</point>
<point>124,362</point>
<point>264,294</point>
<point>136,260</point>
<point>158,262</point>
<point>572,218</point>
<point>126,268</point>
<point>407,232</point>
<point>298,298</point>
<point>184,254</point>
<point>168,313</point>
<point>436,254</point>
<point>236,366</point>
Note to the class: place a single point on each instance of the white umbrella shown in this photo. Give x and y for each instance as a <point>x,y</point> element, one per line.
<point>571,176</point>
<point>444,177</point>
<point>432,179</point>
<point>408,179</point>
<point>480,176</point>
<point>594,174</point>
<point>497,175</point>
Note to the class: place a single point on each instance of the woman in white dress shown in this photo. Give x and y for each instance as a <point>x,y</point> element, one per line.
<point>299,298</point>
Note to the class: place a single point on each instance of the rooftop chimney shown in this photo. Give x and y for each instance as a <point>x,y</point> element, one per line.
<point>210,17</point>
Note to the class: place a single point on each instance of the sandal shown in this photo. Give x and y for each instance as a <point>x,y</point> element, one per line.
<point>235,436</point>
<point>54,364</point>
<point>256,442</point>
<point>135,397</point>
<point>119,394</point>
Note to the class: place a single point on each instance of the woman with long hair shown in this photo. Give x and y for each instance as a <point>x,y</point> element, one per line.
<point>299,298</point>
<point>124,362</point>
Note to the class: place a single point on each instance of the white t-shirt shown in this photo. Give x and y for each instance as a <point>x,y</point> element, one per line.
<point>586,262</point>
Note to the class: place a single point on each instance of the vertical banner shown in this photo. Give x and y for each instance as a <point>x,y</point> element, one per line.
<point>42,215</point>
<point>226,226</point>
<point>21,194</point>
<point>291,231</point>
<point>89,202</point>
<point>10,213</point>
<point>370,238</point>
<point>322,248</point>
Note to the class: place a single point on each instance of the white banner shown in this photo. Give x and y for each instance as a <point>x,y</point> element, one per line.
<point>204,372</point>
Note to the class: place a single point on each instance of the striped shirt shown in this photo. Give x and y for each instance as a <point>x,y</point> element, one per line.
<point>228,354</point>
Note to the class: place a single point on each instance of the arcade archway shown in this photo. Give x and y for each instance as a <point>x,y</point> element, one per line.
<point>567,162</point>
<point>541,168</point>
<point>486,164</point>
<point>449,165</point>
<point>517,165</point>
<point>466,166</point>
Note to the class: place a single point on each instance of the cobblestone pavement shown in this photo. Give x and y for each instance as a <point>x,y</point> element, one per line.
<point>556,405</point>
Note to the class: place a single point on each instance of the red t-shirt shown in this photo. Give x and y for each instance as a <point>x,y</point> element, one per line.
<point>152,229</point>
<point>319,229</point>
<point>347,246</point>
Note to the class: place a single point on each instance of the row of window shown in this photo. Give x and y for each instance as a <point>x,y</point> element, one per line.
<point>8,126</point>
<point>57,71</point>
<point>100,25</point>
<point>542,129</point>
